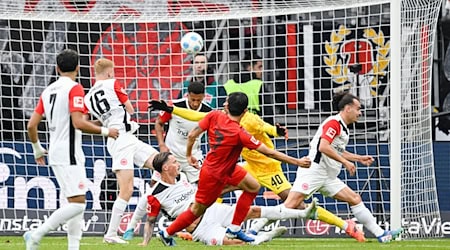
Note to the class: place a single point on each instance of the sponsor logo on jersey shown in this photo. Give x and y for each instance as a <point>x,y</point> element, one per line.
<point>305,186</point>
<point>183,133</point>
<point>254,140</point>
<point>331,132</point>
<point>78,102</point>
<point>184,196</point>
<point>123,162</point>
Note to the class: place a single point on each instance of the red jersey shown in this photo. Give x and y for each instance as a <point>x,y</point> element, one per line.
<point>226,139</point>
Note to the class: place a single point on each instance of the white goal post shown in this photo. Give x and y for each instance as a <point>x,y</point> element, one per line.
<point>381,50</point>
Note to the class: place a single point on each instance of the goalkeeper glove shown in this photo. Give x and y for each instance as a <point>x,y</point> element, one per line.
<point>38,150</point>
<point>159,105</point>
<point>281,131</point>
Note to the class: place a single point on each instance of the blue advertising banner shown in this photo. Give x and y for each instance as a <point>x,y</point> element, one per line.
<point>29,194</point>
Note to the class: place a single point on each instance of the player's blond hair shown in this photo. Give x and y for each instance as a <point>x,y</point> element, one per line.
<point>102,64</point>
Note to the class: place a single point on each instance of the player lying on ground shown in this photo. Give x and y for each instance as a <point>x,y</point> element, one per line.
<point>265,169</point>
<point>225,138</point>
<point>171,198</point>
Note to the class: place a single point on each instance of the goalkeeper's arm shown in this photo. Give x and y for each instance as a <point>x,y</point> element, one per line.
<point>188,114</point>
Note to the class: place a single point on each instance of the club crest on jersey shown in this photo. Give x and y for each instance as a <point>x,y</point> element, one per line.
<point>78,102</point>
<point>366,58</point>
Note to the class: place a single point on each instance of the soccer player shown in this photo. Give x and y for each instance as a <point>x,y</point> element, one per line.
<point>172,198</point>
<point>109,103</point>
<point>268,172</point>
<point>328,151</point>
<point>177,134</point>
<point>226,139</point>
<point>62,105</point>
<point>175,142</point>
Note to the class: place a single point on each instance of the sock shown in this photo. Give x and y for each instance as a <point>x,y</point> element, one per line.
<point>280,212</point>
<point>366,218</point>
<point>59,217</point>
<point>74,232</point>
<point>183,220</point>
<point>258,224</point>
<point>242,207</point>
<point>116,215</point>
<point>234,228</point>
<point>139,212</point>
<point>324,215</point>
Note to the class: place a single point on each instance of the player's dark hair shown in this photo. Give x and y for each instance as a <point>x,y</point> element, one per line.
<point>67,60</point>
<point>159,160</point>
<point>199,54</point>
<point>250,59</point>
<point>237,103</point>
<point>342,99</point>
<point>196,88</point>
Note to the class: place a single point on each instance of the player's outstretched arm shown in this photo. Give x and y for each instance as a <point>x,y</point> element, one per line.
<point>304,162</point>
<point>363,159</point>
<point>148,230</point>
<point>187,114</point>
<point>80,121</point>
<point>252,122</point>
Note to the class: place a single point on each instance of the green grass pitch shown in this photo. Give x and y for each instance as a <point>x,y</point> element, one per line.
<point>95,243</point>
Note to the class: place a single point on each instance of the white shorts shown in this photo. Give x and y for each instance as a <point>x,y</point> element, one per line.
<point>212,228</point>
<point>192,173</point>
<point>71,179</point>
<point>127,150</point>
<point>316,178</point>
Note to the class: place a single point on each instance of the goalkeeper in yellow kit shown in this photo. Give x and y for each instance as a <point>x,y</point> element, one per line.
<point>266,170</point>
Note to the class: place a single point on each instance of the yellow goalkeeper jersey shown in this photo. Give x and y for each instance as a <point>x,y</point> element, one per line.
<point>256,162</point>
<point>261,130</point>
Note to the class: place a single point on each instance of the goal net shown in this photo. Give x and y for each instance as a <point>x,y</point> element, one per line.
<point>310,49</point>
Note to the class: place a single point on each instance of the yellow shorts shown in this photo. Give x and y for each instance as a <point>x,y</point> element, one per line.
<point>274,180</point>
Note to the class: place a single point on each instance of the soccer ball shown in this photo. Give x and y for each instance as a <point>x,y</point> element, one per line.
<point>191,43</point>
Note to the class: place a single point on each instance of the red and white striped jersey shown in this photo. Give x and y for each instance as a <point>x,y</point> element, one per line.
<point>334,130</point>
<point>57,101</point>
<point>105,101</point>
<point>170,199</point>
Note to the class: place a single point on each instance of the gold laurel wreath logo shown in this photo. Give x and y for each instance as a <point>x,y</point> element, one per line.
<point>336,67</point>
